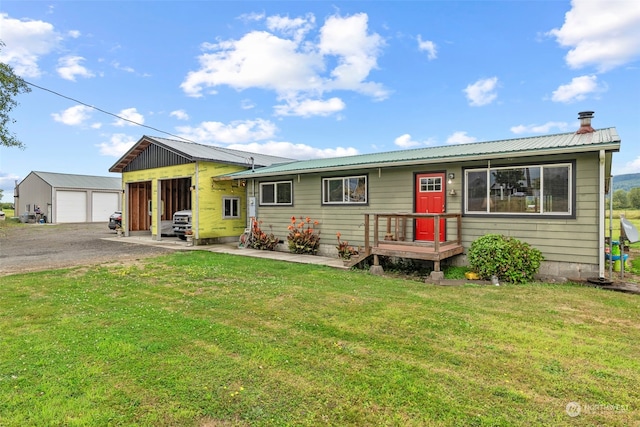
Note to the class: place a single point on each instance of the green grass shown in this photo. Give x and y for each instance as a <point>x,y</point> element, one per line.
<point>205,339</point>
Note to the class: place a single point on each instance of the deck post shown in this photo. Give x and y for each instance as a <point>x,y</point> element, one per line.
<point>436,234</point>
<point>367,246</point>
<point>376,268</point>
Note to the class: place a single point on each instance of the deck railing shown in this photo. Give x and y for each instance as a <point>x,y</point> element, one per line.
<point>396,229</point>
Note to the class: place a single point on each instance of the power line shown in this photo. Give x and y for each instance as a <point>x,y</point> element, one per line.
<point>107,112</point>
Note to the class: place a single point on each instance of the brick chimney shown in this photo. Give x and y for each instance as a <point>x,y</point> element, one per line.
<point>585,122</point>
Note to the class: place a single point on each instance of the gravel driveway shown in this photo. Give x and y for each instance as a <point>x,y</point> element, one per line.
<point>35,247</point>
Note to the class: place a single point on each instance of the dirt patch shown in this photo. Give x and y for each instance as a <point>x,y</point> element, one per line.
<point>37,247</point>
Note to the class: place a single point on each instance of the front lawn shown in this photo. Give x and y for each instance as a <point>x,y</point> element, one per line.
<point>205,339</point>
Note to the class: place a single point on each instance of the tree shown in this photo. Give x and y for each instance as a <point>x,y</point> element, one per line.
<point>634,198</point>
<point>10,87</point>
<point>620,200</point>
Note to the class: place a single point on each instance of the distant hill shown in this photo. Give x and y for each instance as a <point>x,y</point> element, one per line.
<point>626,182</point>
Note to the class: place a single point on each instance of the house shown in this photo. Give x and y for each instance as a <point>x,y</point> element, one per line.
<point>162,176</point>
<point>61,197</point>
<point>548,191</point>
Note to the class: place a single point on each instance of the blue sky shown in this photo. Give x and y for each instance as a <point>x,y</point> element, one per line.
<point>306,79</point>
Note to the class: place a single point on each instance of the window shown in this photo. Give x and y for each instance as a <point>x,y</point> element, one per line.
<point>343,190</point>
<point>531,190</point>
<point>231,206</point>
<point>428,185</point>
<point>276,193</point>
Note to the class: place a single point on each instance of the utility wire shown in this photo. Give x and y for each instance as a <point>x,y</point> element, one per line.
<point>106,112</point>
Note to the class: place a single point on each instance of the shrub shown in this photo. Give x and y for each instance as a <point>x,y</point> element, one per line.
<point>344,250</point>
<point>303,238</point>
<point>505,257</point>
<point>262,240</point>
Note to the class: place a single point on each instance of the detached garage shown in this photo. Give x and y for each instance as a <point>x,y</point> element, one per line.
<point>67,198</point>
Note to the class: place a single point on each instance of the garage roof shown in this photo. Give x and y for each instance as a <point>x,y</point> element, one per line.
<point>191,152</point>
<point>65,180</point>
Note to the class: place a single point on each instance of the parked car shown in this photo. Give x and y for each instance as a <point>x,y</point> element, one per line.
<point>181,223</point>
<point>115,220</point>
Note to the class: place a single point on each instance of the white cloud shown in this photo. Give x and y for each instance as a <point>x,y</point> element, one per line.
<point>356,52</point>
<point>460,137</point>
<point>427,46</point>
<point>247,104</point>
<point>236,132</point>
<point>129,115</point>
<point>259,59</point>
<point>26,41</point>
<point>482,92</point>
<point>121,67</point>
<point>405,141</point>
<point>603,33</point>
<point>179,114</point>
<point>629,167</point>
<point>8,184</point>
<point>544,128</point>
<point>295,151</point>
<point>310,107</point>
<point>74,34</point>
<point>294,64</point>
<point>73,116</point>
<point>117,145</point>
<point>577,90</point>
<point>296,27</point>
<point>69,67</point>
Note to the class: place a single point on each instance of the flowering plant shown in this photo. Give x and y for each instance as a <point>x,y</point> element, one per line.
<point>303,237</point>
<point>344,250</point>
<point>262,240</point>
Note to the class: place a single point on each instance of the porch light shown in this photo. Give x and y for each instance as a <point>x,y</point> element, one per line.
<point>451,177</point>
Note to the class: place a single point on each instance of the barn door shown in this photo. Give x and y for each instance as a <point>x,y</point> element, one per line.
<point>430,198</point>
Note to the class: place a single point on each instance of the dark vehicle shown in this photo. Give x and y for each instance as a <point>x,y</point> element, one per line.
<point>115,220</point>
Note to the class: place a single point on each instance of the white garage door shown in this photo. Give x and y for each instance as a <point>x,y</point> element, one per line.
<point>71,206</point>
<point>103,205</point>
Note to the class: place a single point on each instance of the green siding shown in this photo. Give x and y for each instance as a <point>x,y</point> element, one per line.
<point>391,190</point>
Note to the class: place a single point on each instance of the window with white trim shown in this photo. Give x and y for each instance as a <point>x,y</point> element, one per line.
<point>431,184</point>
<point>527,190</point>
<point>344,190</point>
<point>231,207</point>
<point>276,193</point>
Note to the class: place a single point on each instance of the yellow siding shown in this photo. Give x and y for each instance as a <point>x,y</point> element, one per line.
<point>210,223</point>
<point>206,200</point>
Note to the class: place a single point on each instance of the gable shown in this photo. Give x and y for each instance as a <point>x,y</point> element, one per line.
<point>154,156</point>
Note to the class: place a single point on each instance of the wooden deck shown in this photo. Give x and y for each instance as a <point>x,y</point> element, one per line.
<point>396,243</point>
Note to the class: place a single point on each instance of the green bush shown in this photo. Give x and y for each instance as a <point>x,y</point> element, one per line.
<point>508,258</point>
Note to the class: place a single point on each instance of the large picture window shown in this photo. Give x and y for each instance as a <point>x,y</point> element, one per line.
<point>345,190</point>
<point>231,206</point>
<point>276,193</point>
<point>529,190</point>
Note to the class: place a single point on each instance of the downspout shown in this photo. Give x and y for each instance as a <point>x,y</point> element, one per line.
<point>195,213</point>
<point>601,210</point>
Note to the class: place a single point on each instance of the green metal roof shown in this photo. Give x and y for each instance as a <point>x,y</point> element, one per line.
<point>603,139</point>
<point>65,180</point>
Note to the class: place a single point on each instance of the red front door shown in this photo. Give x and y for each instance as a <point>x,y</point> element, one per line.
<point>430,198</point>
